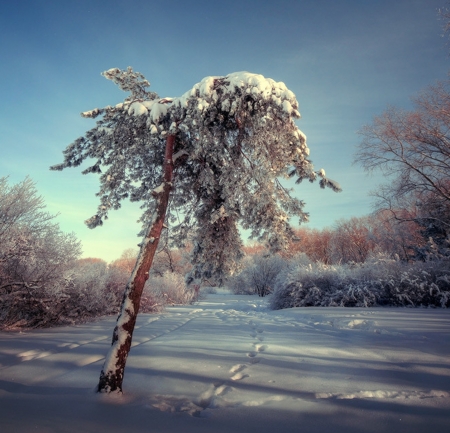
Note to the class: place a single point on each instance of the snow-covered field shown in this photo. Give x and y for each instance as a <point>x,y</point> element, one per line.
<point>228,364</point>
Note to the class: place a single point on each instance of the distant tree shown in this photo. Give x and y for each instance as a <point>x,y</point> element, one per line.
<point>166,260</point>
<point>444,15</point>
<point>200,163</point>
<point>350,240</point>
<point>126,261</point>
<point>87,260</point>
<point>393,237</point>
<point>413,149</point>
<point>312,242</point>
<point>173,260</point>
<point>262,273</point>
<point>258,275</point>
<point>253,248</point>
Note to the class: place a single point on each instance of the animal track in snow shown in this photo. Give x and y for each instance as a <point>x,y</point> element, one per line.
<point>172,404</point>
<point>210,399</point>
<point>239,376</point>
<point>260,347</point>
<point>251,354</point>
<point>238,367</point>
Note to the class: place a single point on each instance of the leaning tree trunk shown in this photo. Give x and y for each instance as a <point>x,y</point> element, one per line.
<point>111,376</point>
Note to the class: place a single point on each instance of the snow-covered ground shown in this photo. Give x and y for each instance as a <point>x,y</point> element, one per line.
<point>228,364</point>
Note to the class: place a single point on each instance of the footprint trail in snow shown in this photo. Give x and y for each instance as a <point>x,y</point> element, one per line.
<point>231,354</point>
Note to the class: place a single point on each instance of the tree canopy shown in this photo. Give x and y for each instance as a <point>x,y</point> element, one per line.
<point>235,137</point>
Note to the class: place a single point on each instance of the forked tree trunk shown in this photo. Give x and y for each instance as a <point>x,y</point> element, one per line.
<point>111,376</point>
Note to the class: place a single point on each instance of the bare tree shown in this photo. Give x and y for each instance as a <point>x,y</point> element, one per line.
<point>126,261</point>
<point>174,260</point>
<point>312,242</point>
<point>350,240</point>
<point>395,238</point>
<point>201,164</point>
<point>263,272</point>
<point>412,148</point>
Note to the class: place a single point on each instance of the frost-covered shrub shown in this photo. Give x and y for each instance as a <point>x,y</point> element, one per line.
<point>115,280</point>
<point>314,284</point>
<point>80,294</point>
<point>89,289</point>
<point>170,289</point>
<point>84,291</point>
<point>379,281</point>
<point>432,251</point>
<point>300,259</point>
<point>422,284</point>
<point>258,277</point>
<point>240,284</point>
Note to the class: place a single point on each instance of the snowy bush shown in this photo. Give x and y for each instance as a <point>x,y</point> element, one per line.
<point>94,289</point>
<point>240,284</point>
<point>308,285</point>
<point>422,284</point>
<point>258,277</point>
<point>169,289</point>
<point>87,290</point>
<point>431,251</point>
<point>379,281</point>
<point>83,293</point>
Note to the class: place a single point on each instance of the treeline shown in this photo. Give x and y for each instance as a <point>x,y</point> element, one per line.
<point>363,262</point>
<point>354,239</point>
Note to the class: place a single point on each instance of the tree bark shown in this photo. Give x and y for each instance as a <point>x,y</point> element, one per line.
<point>111,376</point>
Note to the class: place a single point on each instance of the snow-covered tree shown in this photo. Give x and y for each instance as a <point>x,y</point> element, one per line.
<point>202,164</point>
<point>34,255</point>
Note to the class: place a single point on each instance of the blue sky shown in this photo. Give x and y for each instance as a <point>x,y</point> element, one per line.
<point>346,61</point>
